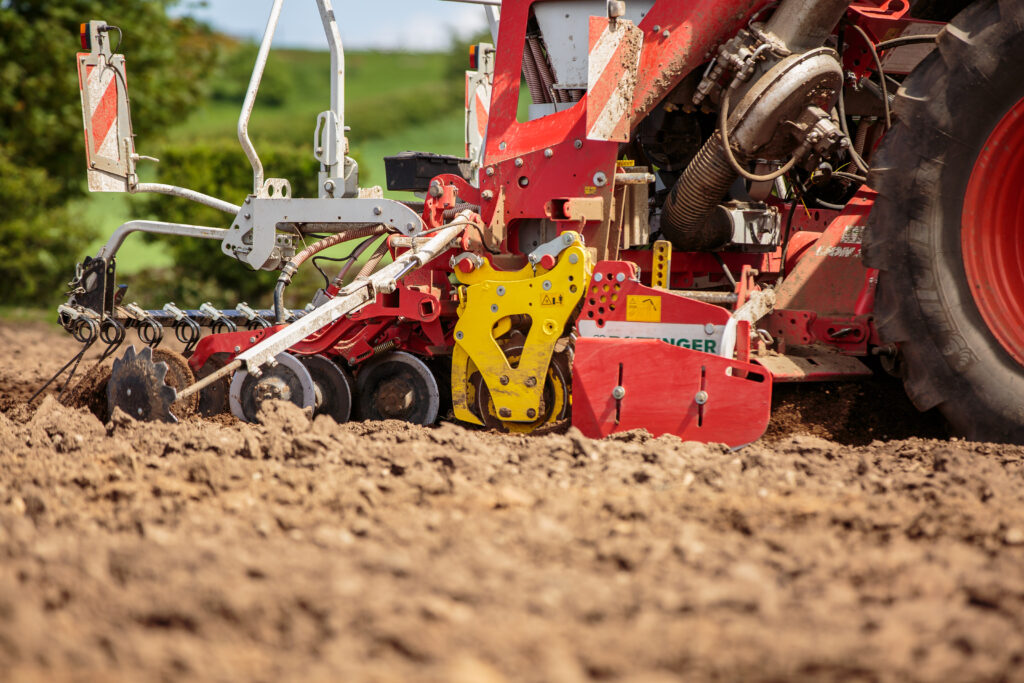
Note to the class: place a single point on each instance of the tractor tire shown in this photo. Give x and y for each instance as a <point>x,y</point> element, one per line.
<point>947,230</point>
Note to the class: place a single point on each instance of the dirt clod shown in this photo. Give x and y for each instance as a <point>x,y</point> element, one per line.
<point>300,549</point>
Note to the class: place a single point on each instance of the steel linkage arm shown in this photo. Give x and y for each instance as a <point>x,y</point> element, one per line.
<point>348,300</point>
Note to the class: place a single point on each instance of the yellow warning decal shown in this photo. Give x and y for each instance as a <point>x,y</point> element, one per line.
<point>643,308</point>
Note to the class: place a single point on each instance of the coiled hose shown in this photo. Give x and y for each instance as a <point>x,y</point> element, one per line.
<point>684,216</point>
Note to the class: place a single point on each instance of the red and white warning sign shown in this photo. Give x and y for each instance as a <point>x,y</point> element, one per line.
<point>614,58</point>
<point>108,141</point>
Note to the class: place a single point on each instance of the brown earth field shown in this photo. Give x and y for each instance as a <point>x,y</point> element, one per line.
<point>855,541</point>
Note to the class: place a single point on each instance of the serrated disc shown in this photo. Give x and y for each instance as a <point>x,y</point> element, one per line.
<point>138,388</point>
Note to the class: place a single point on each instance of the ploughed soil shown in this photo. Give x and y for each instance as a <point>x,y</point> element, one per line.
<point>854,542</point>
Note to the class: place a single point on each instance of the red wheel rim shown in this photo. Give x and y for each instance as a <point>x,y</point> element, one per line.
<point>992,237</point>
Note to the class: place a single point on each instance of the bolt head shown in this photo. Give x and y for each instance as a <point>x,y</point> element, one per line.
<point>252,340</point>
<point>459,335</point>
<point>377,211</point>
<point>490,170</point>
<point>598,277</point>
<point>548,153</point>
<point>501,290</point>
<point>578,144</point>
<point>531,413</point>
<point>487,194</point>
<point>519,162</point>
<point>238,349</point>
<point>701,398</point>
<point>546,285</point>
<point>709,328</point>
<point>531,381</point>
<point>494,308</point>
<point>504,380</point>
<point>574,258</point>
<point>505,412</point>
<point>618,393</point>
<point>600,179</point>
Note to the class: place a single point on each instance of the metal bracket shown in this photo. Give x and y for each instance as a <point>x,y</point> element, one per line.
<point>252,239</point>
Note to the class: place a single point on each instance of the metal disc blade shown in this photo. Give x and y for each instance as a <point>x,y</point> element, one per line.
<point>333,387</point>
<point>287,381</point>
<point>137,387</point>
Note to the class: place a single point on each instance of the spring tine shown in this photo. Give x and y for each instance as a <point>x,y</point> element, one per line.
<point>218,321</point>
<point>188,332</point>
<point>87,341</point>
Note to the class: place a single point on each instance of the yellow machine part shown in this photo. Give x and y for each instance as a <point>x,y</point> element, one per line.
<point>661,264</point>
<point>488,301</point>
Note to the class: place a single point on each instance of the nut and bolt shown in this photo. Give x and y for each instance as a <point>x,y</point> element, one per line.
<point>618,393</point>
<point>701,398</point>
<point>329,185</point>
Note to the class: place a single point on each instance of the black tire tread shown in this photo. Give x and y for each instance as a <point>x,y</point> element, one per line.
<point>915,307</point>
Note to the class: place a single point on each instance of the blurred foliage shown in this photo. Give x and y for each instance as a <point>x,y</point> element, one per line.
<point>42,160</point>
<point>231,79</point>
<point>40,240</point>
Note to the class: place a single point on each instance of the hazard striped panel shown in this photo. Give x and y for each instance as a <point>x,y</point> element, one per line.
<point>614,58</point>
<point>108,137</point>
<point>102,102</point>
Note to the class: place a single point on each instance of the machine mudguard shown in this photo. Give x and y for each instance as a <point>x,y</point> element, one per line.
<point>623,384</point>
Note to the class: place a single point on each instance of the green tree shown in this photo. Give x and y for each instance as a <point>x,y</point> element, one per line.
<point>42,160</point>
<point>40,109</point>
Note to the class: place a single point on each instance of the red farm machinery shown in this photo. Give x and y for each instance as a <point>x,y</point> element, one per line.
<point>697,200</point>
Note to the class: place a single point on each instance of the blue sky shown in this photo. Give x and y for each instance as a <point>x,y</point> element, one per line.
<point>382,24</point>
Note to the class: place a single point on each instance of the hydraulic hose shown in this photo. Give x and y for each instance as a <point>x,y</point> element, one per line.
<point>292,266</point>
<point>695,195</point>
